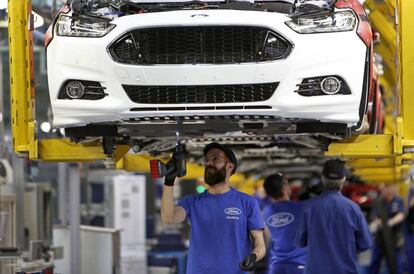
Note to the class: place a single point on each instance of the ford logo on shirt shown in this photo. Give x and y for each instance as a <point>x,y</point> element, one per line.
<point>280,219</point>
<point>232,211</point>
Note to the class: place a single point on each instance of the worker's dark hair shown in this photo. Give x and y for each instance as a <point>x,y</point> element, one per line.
<point>227,151</point>
<point>273,185</point>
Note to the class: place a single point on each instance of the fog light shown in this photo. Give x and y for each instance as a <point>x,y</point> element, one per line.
<point>75,89</point>
<point>331,85</point>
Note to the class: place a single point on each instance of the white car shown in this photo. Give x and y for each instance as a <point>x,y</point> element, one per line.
<point>151,67</point>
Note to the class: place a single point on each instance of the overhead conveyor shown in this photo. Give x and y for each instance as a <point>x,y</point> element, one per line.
<point>388,157</point>
<point>376,158</point>
<point>22,93</point>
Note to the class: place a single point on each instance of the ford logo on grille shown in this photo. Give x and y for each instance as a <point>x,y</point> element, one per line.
<point>232,211</point>
<point>280,219</point>
<point>199,15</point>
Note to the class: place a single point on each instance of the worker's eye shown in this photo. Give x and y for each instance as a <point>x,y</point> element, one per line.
<point>214,159</point>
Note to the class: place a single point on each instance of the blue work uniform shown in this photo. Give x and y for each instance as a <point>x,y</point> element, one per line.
<point>219,230</point>
<point>393,207</point>
<point>334,230</point>
<point>282,218</point>
<point>409,236</point>
<point>263,202</point>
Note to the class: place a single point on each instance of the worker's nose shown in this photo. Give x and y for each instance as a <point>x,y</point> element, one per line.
<point>207,164</point>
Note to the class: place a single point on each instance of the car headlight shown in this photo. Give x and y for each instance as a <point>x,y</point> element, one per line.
<point>323,22</point>
<point>82,26</point>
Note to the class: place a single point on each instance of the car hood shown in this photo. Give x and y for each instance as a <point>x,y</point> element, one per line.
<point>184,1</point>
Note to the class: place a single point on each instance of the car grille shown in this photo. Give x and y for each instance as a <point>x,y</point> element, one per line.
<point>200,94</point>
<point>199,45</point>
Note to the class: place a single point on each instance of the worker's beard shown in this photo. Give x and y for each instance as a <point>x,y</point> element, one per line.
<point>214,176</point>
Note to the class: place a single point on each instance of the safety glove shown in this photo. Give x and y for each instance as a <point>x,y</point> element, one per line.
<point>175,167</point>
<point>170,177</point>
<point>248,262</point>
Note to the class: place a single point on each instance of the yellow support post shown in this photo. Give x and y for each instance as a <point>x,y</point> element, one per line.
<point>21,79</point>
<point>22,94</point>
<point>406,65</point>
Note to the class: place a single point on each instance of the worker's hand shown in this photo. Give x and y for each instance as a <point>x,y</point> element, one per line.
<point>170,178</point>
<point>248,262</point>
<point>375,226</point>
<point>179,158</point>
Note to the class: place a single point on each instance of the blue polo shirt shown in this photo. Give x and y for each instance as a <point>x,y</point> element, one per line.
<point>282,219</point>
<point>219,230</point>
<point>334,230</point>
<point>393,207</point>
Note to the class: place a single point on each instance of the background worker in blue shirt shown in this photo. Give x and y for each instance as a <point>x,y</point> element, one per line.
<point>222,220</point>
<point>332,227</point>
<point>392,208</point>
<point>281,219</point>
<point>409,236</point>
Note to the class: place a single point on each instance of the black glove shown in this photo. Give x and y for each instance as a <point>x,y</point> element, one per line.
<point>170,178</point>
<point>248,262</point>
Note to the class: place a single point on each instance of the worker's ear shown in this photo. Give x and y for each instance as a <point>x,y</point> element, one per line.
<point>230,167</point>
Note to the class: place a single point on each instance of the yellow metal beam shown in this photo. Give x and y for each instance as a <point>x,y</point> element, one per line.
<point>363,146</point>
<point>372,163</point>
<point>140,163</point>
<point>63,150</point>
<point>382,178</point>
<point>387,180</point>
<point>385,26</point>
<point>389,59</point>
<point>381,171</point>
<point>386,6</point>
<point>21,79</point>
<point>391,6</point>
<point>135,162</point>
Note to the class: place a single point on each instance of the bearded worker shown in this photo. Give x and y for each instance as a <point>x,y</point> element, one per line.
<point>226,226</point>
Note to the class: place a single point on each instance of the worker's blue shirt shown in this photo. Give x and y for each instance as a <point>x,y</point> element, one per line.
<point>263,202</point>
<point>334,230</point>
<point>282,219</point>
<point>393,207</point>
<point>219,235</point>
